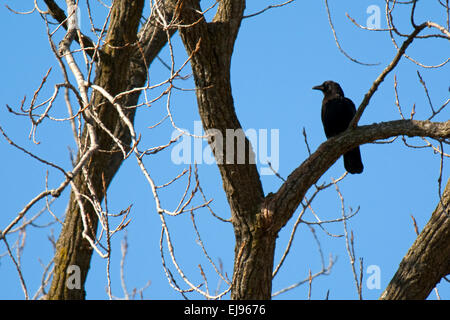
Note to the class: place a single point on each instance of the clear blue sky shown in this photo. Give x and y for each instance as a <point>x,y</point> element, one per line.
<point>279,56</point>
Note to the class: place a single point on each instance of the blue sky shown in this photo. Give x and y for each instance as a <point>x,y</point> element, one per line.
<point>279,56</point>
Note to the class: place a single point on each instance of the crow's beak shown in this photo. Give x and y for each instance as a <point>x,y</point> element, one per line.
<point>318,88</point>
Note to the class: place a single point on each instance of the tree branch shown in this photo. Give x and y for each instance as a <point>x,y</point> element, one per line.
<point>58,14</point>
<point>401,51</point>
<point>283,204</point>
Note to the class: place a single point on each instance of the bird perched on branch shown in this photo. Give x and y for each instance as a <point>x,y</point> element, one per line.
<point>337,113</point>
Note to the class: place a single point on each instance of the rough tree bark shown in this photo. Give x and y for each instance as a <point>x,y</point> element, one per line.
<point>122,66</point>
<point>212,46</point>
<point>428,259</point>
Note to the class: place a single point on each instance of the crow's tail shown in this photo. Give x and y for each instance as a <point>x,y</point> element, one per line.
<point>352,161</point>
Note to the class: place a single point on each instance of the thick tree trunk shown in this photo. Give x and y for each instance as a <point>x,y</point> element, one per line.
<point>428,259</point>
<point>211,46</point>
<point>122,66</point>
<point>253,264</point>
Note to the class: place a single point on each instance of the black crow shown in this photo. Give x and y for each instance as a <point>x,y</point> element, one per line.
<point>337,112</point>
